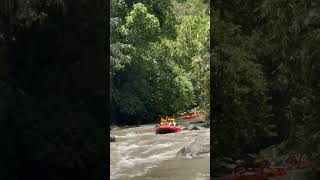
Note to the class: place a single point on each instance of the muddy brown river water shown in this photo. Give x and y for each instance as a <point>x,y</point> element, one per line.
<point>140,154</point>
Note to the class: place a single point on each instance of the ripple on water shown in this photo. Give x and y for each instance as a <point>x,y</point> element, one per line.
<point>138,166</point>
<point>140,149</point>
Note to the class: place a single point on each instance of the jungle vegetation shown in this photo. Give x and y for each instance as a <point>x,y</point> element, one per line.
<point>265,75</point>
<point>160,59</point>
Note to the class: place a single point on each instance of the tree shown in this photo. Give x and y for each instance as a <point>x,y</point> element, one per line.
<point>141,27</point>
<point>150,78</point>
<point>240,95</point>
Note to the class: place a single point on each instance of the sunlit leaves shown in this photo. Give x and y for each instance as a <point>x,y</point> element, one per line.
<point>152,64</point>
<point>120,56</point>
<point>192,52</point>
<point>141,27</point>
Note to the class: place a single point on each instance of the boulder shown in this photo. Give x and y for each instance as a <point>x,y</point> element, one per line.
<point>194,128</point>
<point>200,145</point>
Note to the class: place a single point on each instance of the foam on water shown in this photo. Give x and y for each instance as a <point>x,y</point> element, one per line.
<point>126,162</point>
<point>134,134</point>
<point>125,158</point>
<point>139,150</point>
<point>149,160</point>
<point>158,146</point>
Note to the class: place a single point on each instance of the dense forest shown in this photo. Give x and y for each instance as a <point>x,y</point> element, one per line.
<point>160,59</point>
<point>53,85</point>
<point>265,75</point>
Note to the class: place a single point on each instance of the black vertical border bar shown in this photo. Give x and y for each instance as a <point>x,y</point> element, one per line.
<point>212,86</point>
<point>107,6</point>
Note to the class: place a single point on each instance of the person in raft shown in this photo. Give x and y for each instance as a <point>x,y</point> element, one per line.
<point>164,121</point>
<point>172,122</point>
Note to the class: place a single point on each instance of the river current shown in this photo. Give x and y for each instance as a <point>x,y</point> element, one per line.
<point>140,154</point>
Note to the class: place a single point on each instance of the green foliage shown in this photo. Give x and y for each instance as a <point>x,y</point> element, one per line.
<point>119,8</point>
<point>163,10</point>
<point>140,26</point>
<point>240,95</point>
<point>150,77</point>
<point>294,30</point>
<point>120,56</point>
<point>175,90</point>
<point>192,48</point>
<point>266,53</point>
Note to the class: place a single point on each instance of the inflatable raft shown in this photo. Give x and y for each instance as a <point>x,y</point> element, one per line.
<point>164,129</point>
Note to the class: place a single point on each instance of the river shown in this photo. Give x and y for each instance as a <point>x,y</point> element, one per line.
<point>140,154</point>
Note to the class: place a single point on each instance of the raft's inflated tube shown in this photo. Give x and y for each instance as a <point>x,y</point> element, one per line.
<point>164,129</point>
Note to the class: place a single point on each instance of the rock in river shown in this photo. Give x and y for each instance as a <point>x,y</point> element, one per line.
<point>199,145</point>
<point>194,128</point>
